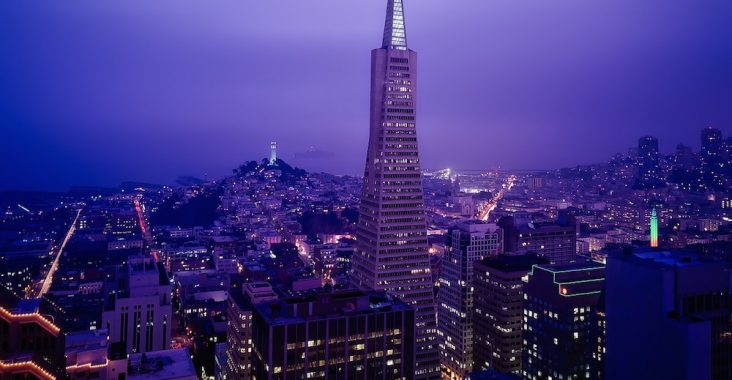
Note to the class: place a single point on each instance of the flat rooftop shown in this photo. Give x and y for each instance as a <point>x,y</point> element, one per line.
<point>162,365</point>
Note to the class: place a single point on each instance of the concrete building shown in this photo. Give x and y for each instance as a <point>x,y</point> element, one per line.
<point>669,316</point>
<point>563,323</point>
<point>466,243</point>
<point>391,233</point>
<point>137,310</point>
<point>341,335</point>
<point>498,310</point>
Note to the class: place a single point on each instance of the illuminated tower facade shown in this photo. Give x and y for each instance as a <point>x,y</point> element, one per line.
<point>392,253</point>
<point>654,229</point>
<point>273,153</point>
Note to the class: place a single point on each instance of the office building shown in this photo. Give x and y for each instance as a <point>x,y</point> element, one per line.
<point>137,310</point>
<point>89,356</point>
<point>392,249</point>
<point>31,340</point>
<point>341,335</point>
<point>563,323</point>
<point>712,157</point>
<point>669,316</point>
<point>648,168</point>
<point>556,241</point>
<point>466,243</point>
<point>239,336</point>
<point>498,310</point>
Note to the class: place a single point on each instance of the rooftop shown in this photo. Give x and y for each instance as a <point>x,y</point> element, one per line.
<point>322,304</point>
<point>512,263</point>
<point>162,365</point>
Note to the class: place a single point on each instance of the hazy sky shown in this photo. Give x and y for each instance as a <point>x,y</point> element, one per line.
<point>98,92</point>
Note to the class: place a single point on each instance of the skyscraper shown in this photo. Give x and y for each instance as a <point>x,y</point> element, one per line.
<point>498,310</point>
<point>711,145</point>
<point>678,326</point>
<point>563,325</point>
<point>648,160</point>
<point>239,332</point>
<point>392,237</point>
<point>466,243</point>
<point>711,156</point>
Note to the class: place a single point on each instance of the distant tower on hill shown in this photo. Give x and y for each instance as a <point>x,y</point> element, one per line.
<point>273,152</point>
<point>654,229</point>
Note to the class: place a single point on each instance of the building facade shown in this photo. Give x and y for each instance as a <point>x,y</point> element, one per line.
<point>555,241</point>
<point>392,252</point>
<point>340,335</point>
<point>138,309</point>
<point>498,310</point>
<point>563,323</point>
<point>239,334</point>
<point>648,164</point>
<point>467,243</point>
<point>678,326</point>
<point>31,340</point>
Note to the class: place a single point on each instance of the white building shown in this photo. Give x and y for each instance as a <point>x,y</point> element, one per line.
<point>138,311</point>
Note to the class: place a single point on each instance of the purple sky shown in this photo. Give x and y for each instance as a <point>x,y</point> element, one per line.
<point>97,92</point>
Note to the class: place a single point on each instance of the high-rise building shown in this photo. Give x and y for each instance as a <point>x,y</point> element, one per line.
<point>684,159</point>
<point>711,145</point>
<point>648,171</point>
<point>239,336</point>
<point>31,340</point>
<point>555,241</point>
<point>654,229</point>
<point>498,310</point>
<point>466,243</point>
<point>563,325</point>
<point>341,335</point>
<point>669,316</point>
<point>89,356</point>
<point>392,252</point>
<point>138,309</point>
<point>712,156</point>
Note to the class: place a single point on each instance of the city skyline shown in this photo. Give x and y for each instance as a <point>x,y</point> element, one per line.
<point>182,93</point>
<point>421,267</point>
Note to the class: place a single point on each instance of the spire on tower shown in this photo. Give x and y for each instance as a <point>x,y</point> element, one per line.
<point>395,33</point>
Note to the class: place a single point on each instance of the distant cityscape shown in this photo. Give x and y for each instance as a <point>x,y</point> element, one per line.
<point>616,270</point>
